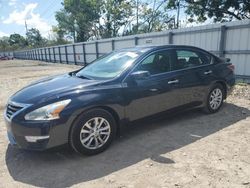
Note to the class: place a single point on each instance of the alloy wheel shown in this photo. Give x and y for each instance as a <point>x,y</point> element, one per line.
<point>95,133</point>
<point>215,99</point>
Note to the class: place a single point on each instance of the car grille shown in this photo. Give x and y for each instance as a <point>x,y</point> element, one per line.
<point>12,109</point>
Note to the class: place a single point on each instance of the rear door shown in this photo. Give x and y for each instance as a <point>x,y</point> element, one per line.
<point>194,71</point>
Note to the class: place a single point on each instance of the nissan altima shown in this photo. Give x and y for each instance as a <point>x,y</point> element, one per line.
<point>86,108</point>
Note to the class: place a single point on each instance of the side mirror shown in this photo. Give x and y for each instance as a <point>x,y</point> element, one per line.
<point>140,75</point>
<point>228,59</point>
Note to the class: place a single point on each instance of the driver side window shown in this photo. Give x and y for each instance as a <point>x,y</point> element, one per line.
<point>158,62</point>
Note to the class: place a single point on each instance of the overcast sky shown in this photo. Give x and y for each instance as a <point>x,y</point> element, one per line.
<point>39,14</point>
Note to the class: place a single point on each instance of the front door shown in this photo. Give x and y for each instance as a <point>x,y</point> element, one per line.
<point>156,93</point>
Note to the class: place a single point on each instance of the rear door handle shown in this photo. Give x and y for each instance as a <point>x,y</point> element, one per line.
<point>208,72</point>
<point>173,81</point>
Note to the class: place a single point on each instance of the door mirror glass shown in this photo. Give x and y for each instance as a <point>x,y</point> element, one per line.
<point>140,75</point>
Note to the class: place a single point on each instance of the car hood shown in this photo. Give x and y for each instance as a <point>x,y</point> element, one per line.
<point>51,87</point>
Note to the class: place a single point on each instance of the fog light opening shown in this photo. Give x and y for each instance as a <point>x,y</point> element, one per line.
<point>36,138</point>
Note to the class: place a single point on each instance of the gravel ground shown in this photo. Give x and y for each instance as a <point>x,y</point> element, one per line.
<point>190,149</point>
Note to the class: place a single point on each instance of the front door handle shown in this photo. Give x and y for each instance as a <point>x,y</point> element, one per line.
<point>208,72</point>
<point>153,89</point>
<point>173,81</point>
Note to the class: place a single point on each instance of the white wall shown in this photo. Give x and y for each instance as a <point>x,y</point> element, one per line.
<point>208,37</point>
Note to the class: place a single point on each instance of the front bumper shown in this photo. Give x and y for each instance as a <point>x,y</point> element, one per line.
<point>35,135</point>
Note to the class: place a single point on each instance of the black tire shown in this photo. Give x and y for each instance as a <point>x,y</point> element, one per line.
<point>75,138</point>
<point>208,107</point>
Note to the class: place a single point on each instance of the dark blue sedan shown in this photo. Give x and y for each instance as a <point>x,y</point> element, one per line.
<point>86,108</point>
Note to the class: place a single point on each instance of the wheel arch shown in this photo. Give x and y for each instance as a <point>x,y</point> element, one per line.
<point>224,85</point>
<point>72,136</point>
<point>113,113</point>
<point>109,109</point>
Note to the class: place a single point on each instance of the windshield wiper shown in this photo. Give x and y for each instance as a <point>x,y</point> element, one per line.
<point>79,76</point>
<point>83,77</point>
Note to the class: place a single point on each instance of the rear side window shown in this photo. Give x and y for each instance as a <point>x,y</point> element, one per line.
<point>188,58</point>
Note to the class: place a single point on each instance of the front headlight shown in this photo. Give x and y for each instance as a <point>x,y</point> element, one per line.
<point>48,112</point>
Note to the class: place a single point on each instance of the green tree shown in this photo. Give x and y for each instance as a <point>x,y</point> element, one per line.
<point>78,18</point>
<point>65,24</point>
<point>92,19</point>
<point>116,14</point>
<point>218,10</point>
<point>4,44</point>
<point>154,18</point>
<point>34,37</point>
<point>59,36</point>
<point>17,40</point>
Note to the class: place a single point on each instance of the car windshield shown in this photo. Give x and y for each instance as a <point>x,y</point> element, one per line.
<point>110,65</point>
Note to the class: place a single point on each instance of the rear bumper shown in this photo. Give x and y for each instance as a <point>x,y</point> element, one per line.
<point>230,90</point>
<point>230,85</point>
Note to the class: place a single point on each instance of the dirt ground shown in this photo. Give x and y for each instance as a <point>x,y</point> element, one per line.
<point>190,149</point>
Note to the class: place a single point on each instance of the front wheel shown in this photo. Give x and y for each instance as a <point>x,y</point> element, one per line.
<point>92,132</point>
<point>215,99</point>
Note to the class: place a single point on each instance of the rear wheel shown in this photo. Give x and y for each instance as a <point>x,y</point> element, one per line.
<point>215,99</point>
<point>93,132</point>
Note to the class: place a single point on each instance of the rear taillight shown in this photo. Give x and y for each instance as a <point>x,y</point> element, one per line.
<point>231,67</point>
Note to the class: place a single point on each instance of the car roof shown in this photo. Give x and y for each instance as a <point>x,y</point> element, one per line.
<point>153,47</point>
<point>146,48</point>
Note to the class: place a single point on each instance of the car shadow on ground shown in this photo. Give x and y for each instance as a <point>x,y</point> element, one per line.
<point>142,140</point>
